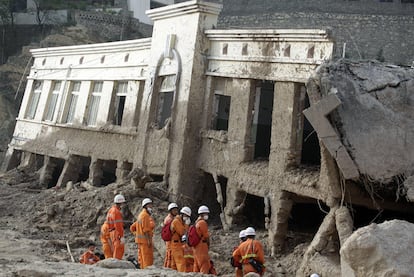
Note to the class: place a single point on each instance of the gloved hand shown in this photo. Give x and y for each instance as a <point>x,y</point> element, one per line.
<point>122,239</point>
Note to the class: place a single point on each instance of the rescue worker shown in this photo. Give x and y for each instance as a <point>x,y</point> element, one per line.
<point>178,228</point>
<point>172,213</point>
<point>188,255</point>
<point>201,258</point>
<point>237,264</point>
<point>116,227</point>
<point>250,254</point>
<point>143,229</point>
<point>106,241</point>
<point>89,256</point>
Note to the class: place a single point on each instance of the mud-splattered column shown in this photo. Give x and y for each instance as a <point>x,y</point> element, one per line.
<point>95,172</point>
<point>123,168</point>
<point>70,171</point>
<point>281,206</point>
<point>46,174</point>
<point>286,112</point>
<point>11,160</point>
<point>234,204</point>
<point>240,119</point>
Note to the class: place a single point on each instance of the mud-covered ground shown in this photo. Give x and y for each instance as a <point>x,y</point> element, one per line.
<point>37,222</point>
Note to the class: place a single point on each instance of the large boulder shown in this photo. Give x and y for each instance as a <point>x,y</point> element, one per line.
<point>384,249</point>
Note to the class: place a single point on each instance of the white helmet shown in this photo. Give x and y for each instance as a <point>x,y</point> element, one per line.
<point>186,211</point>
<point>119,198</point>
<point>250,231</point>
<point>146,201</point>
<point>203,209</point>
<point>183,238</point>
<point>242,234</point>
<point>314,275</point>
<point>172,206</point>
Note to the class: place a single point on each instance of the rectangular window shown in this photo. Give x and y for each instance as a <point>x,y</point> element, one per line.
<point>221,112</point>
<point>73,99</point>
<point>121,93</point>
<point>53,101</point>
<point>94,104</point>
<point>34,99</point>
<point>165,99</point>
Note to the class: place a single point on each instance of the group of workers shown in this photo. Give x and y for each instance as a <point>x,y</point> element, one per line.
<point>247,257</point>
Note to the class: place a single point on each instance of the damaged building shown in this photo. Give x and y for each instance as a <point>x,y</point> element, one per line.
<point>232,118</point>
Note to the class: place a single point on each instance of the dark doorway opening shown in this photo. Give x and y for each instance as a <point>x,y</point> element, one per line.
<point>84,168</point>
<point>307,217</point>
<point>57,170</point>
<point>363,216</point>
<point>262,119</point>
<point>108,172</point>
<point>311,151</point>
<point>254,211</point>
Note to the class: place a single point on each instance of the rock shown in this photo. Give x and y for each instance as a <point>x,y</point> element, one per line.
<point>384,249</point>
<point>114,263</point>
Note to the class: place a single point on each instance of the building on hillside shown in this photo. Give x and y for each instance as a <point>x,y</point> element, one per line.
<point>361,29</point>
<point>214,113</point>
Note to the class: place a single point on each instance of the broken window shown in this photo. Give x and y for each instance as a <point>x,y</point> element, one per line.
<point>73,99</point>
<point>53,101</point>
<point>221,106</point>
<point>121,94</point>
<point>34,99</point>
<point>165,99</point>
<point>262,119</point>
<point>94,104</point>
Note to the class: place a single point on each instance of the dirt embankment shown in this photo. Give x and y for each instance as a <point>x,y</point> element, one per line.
<point>37,222</point>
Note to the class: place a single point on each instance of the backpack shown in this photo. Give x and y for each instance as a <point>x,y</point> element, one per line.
<point>192,237</point>
<point>166,233</point>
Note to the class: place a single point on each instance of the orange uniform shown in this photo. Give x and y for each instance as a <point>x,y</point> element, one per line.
<point>168,257</point>
<point>88,258</point>
<point>250,248</point>
<point>201,258</point>
<point>143,229</point>
<point>178,229</point>
<point>116,231</point>
<point>188,257</point>
<point>106,241</point>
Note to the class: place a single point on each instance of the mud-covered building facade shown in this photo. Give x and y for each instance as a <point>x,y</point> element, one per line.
<point>216,114</point>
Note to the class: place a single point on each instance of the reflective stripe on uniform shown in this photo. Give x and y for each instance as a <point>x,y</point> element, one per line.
<point>189,256</point>
<point>247,256</point>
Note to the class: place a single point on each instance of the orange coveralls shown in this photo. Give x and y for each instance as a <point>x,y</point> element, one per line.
<point>250,248</point>
<point>178,229</point>
<point>167,259</point>
<point>116,230</point>
<point>106,241</point>
<point>188,257</point>
<point>143,229</point>
<point>201,258</point>
<point>88,258</point>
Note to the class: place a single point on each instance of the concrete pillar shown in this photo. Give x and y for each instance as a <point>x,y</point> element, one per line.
<point>70,172</point>
<point>46,174</point>
<point>11,160</point>
<point>286,111</point>
<point>123,168</point>
<point>235,202</point>
<point>281,206</point>
<point>242,93</point>
<point>95,172</point>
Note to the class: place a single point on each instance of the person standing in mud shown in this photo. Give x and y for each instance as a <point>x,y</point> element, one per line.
<point>172,212</point>
<point>116,227</point>
<point>143,229</point>
<point>202,261</point>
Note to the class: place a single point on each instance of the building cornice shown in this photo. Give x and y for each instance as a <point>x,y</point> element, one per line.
<point>108,47</point>
<point>189,7</point>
